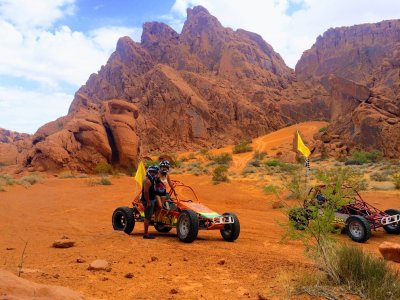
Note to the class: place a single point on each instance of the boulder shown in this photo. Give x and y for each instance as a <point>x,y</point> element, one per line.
<point>99,265</point>
<point>14,287</point>
<point>390,251</point>
<point>63,243</point>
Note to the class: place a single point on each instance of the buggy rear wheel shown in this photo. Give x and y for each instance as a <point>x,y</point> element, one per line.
<point>162,228</point>
<point>231,232</point>
<point>358,229</point>
<point>395,227</point>
<point>187,227</point>
<point>123,220</point>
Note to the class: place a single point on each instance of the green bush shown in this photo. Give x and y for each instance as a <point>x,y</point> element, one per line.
<point>103,168</point>
<point>379,176</point>
<point>220,174</point>
<point>243,146</point>
<point>104,180</point>
<point>259,155</point>
<point>367,274</point>
<point>351,162</point>
<point>221,159</point>
<point>66,174</point>
<point>29,180</point>
<point>323,129</point>
<point>396,181</point>
<point>270,189</point>
<point>255,163</point>
<point>204,151</point>
<point>273,163</point>
<point>362,157</point>
<point>6,179</point>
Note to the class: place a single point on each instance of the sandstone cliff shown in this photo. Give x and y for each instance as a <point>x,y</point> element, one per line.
<point>359,66</point>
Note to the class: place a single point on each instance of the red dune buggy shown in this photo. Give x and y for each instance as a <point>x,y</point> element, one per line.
<point>355,216</point>
<point>183,212</point>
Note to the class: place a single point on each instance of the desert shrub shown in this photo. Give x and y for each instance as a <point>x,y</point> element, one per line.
<point>6,179</point>
<point>103,168</point>
<point>176,163</point>
<point>351,162</point>
<point>362,157</point>
<point>323,129</point>
<point>221,159</point>
<point>260,155</point>
<point>254,162</point>
<point>83,175</point>
<point>243,146</point>
<point>249,170</point>
<point>2,189</point>
<point>339,176</point>
<point>29,180</point>
<point>203,151</point>
<point>66,174</point>
<point>273,163</point>
<point>184,158</point>
<point>104,180</point>
<point>270,189</point>
<point>297,186</point>
<point>396,181</point>
<point>368,275</point>
<point>379,176</point>
<point>192,156</point>
<point>220,174</point>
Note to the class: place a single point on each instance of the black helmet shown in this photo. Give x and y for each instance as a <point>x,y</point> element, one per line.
<point>165,163</point>
<point>153,168</point>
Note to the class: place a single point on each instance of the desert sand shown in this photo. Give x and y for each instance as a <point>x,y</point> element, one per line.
<point>258,263</point>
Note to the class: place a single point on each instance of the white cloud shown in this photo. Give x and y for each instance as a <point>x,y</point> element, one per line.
<point>31,49</point>
<point>25,111</point>
<point>291,35</point>
<point>60,56</point>
<point>38,13</point>
<point>107,37</point>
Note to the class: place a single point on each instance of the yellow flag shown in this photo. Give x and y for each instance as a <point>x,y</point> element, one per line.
<point>301,147</point>
<point>140,174</point>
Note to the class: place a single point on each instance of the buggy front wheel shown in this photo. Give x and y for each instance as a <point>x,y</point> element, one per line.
<point>358,229</point>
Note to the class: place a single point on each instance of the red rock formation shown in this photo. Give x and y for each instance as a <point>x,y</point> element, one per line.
<point>13,147</point>
<point>207,86</point>
<point>365,62</point>
<point>210,86</point>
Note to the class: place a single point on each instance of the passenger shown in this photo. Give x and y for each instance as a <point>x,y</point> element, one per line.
<point>148,198</point>
<point>161,187</point>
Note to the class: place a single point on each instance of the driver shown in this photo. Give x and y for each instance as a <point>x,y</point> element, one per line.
<point>148,198</point>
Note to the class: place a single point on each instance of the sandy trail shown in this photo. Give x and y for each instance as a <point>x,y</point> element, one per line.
<point>272,143</point>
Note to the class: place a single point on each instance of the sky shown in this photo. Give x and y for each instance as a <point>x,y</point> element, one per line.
<point>49,48</point>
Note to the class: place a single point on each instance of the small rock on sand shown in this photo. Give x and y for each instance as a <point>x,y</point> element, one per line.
<point>63,243</point>
<point>390,251</point>
<point>100,265</point>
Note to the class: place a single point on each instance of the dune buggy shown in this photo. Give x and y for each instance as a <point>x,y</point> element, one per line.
<point>182,211</point>
<point>356,217</point>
